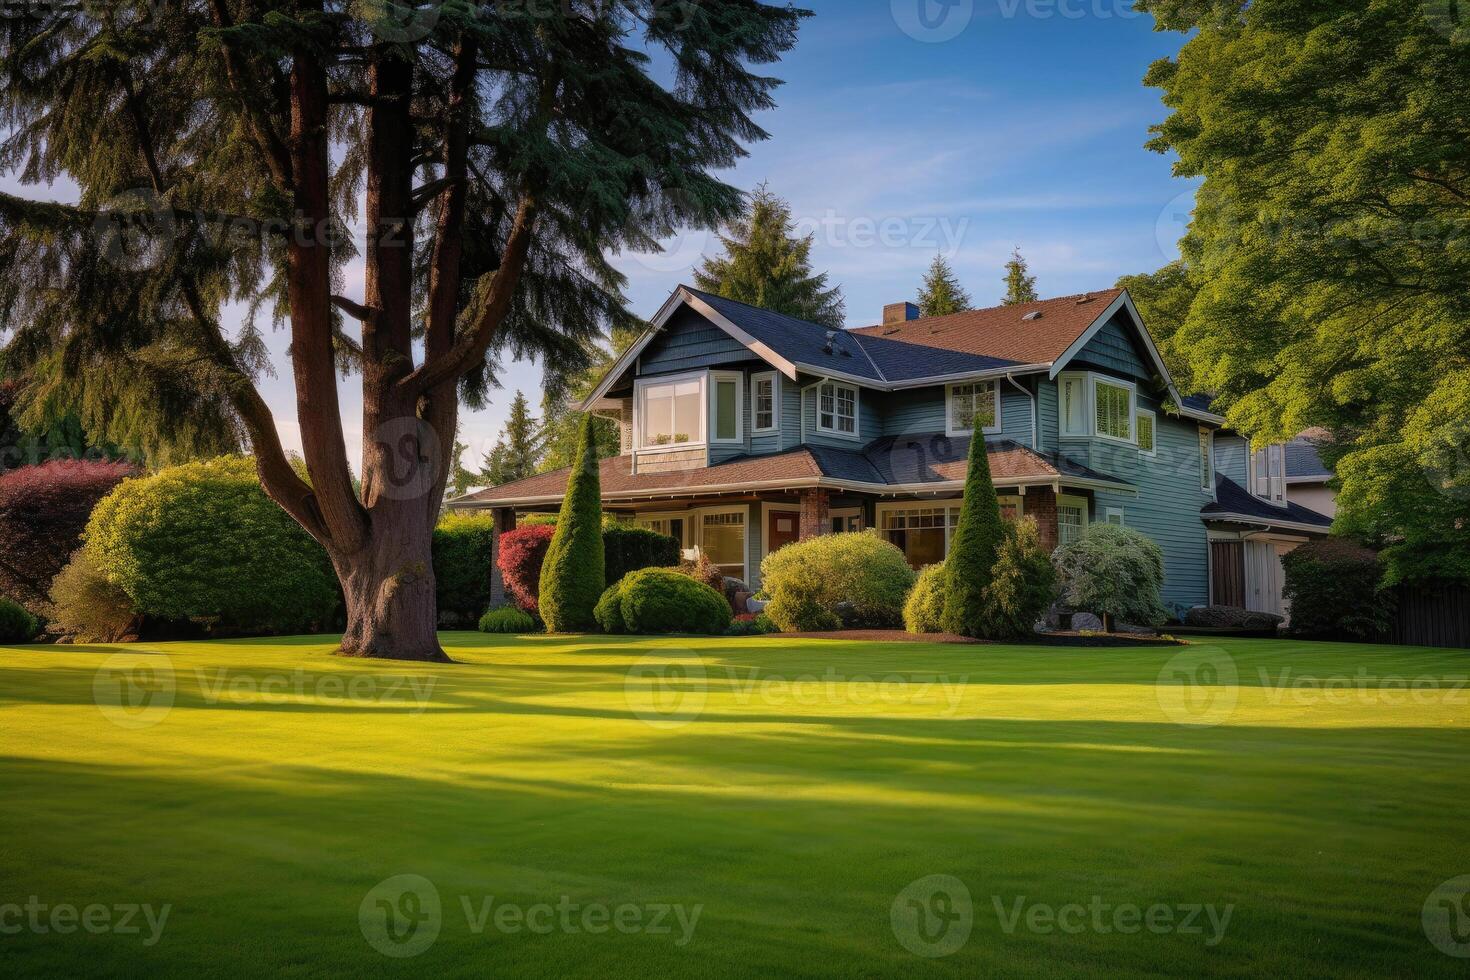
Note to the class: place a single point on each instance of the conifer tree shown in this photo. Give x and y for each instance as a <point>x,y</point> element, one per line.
<point>1020,287</point>
<point>942,293</point>
<point>973,547</point>
<point>518,450</point>
<point>572,574</point>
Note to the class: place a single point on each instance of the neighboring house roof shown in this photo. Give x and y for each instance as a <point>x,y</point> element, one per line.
<point>1200,403</point>
<point>1304,463</point>
<point>1236,504</point>
<point>916,463</point>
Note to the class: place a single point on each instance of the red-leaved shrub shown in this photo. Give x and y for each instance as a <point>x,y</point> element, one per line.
<point>520,557</point>
<point>43,511</point>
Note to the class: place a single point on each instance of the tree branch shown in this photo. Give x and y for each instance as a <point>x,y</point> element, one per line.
<point>353,309</point>
<point>272,148</point>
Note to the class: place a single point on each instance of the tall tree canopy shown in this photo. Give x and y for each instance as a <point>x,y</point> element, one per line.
<point>942,293</point>
<point>1331,240</point>
<point>1163,299</point>
<point>1020,284</point>
<point>765,264</point>
<point>494,156</point>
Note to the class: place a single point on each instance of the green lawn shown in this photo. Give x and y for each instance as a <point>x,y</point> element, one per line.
<point>283,785</point>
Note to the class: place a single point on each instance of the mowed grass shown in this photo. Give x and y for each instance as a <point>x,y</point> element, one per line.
<point>787,790</point>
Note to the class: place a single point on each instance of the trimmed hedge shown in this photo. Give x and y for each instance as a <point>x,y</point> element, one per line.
<point>609,611</point>
<point>43,511</point>
<point>924,610</point>
<point>808,581</point>
<point>661,600</point>
<point>627,549</point>
<point>1335,589</point>
<point>508,620</point>
<point>203,542</point>
<point>1231,617</point>
<point>16,625</point>
<point>464,549</point>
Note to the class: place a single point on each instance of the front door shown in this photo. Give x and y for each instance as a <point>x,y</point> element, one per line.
<point>783,527</point>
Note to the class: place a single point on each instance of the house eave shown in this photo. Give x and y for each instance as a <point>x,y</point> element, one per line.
<point>1264,522</point>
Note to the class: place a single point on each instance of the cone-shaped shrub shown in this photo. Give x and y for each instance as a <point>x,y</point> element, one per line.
<point>973,547</point>
<point>572,575</point>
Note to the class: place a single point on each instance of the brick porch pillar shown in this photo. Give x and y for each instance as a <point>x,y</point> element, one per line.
<point>816,514</point>
<point>1041,504</point>
<point>505,521</point>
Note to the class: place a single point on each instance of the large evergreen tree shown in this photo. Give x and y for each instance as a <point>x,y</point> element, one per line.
<point>518,451</point>
<point>220,148</point>
<point>942,293</point>
<point>1329,244</point>
<point>1020,284</point>
<point>765,264</point>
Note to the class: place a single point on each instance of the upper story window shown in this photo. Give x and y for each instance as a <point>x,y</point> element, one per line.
<point>726,417</point>
<point>1207,460</point>
<point>1102,407</point>
<point>1147,424</point>
<point>1268,474</point>
<point>765,395</point>
<point>1072,391</point>
<point>1114,409</point>
<point>967,401</point>
<point>837,408</point>
<point>670,413</point>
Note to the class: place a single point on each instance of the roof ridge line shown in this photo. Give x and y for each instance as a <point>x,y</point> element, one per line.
<point>857,338</point>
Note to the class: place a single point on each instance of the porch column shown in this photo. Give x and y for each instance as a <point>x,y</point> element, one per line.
<point>816,514</point>
<point>505,521</point>
<point>1041,503</point>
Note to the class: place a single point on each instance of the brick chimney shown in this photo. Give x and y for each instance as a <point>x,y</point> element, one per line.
<point>899,313</point>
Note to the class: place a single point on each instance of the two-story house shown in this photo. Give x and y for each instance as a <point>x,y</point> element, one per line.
<point>744,430</point>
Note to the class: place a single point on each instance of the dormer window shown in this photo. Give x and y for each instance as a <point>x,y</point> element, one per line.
<point>1268,474</point>
<point>967,401</point>
<point>837,408</point>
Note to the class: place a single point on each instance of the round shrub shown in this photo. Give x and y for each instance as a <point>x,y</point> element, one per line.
<point>1114,572</point>
<point>43,511</point>
<point>89,608</point>
<point>522,553</point>
<point>660,600</point>
<point>508,620</point>
<point>924,610</point>
<point>609,611</point>
<point>16,625</point>
<point>203,542</point>
<point>1334,588</point>
<point>808,580</point>
<point>464,546</point>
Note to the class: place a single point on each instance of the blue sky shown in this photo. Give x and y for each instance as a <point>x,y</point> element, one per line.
<point>983,125</point>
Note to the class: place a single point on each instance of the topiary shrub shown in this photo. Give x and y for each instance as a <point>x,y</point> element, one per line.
<point>508,620</point>
<point>973,547</point>
<point>16,625</point>
<point>43,511</point>
<point>464,547</point>
<point>924,610</point>
<point>521,557</point>
<point>573,576</point>
<point>627,549</point>
<point>88,608</point>
<point>1231,617</point>
<point>808,580</point>
<point>203,542</point>
<point>661,600</point>
<point>1334,588</point>
<point>609,611</point>
<point>1023,584</point>
<point>1114,572</point>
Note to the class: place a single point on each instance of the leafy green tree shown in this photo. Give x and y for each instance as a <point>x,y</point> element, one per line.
<point>942,293</point>
<point>572,577</point>
<point>1114,572</point>
<point>562,423</point>
<point>973,547</point>
<point>766,265</point>
<point>1020,286</point>
<point>1329,244</point>
<point>220,149</point>
<point>1163,299</point>
<point>518,451</point>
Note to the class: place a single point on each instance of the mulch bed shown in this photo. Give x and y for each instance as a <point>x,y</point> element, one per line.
<point>1055,639</point>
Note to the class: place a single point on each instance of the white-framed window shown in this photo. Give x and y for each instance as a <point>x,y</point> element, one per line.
<point>726,410</point>
<point>673,525</point>
<point>1268,474</point>
<point>1071,518</point>
<point>837,409</point>
<point>966,401</point>
<point>922,530</point>
<point>1073,405</point>
<point>670,412</point>
<point>722,539</point>
<point>1116,516</point>
<point>1206,461</point>
<point>765,402</point>
<point>1147,424</point>
<point>1113,409</point>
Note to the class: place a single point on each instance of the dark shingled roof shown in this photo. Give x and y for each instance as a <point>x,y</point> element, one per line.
<point>1304,462</point>
<point>1232,498</point>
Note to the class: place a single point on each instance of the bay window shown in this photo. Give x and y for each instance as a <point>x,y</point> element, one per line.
<point>1113,403</point>
<point>1268,474</point>
<point>837,408</point>
<point>967,401</point>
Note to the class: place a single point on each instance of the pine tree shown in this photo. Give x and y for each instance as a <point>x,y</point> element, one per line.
<point>1020,288</point>
<point>518,450</point>
<point>766,265</point>
<point>973,548</point>
<point>572,574</point>
<point>220,150</point>
<point>461,480</point>
<point>942,293</point>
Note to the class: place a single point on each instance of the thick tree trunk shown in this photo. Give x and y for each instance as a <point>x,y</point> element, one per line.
<point>389,587</point>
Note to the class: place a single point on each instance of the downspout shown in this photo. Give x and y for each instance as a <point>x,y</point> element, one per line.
<point>1035,445</point>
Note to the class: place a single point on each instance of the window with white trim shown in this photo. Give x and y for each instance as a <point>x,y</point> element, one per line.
<point>1072,395</point>
<point>722,540</point>
<point>1071,518</point>
<point>1268,474</point>
<point>837,408</point>
<point>967,401</point>
<point>765,394</point>
<point>1147,424</point>
<point>1206,461</point>
<point>725,407</point>
<point>1113,404</point>
<point>1115,516</point>
<point>671,413</point>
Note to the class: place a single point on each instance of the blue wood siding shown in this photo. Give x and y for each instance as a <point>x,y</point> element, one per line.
<point>1046,401</point>
<point>870,421</point>
<point>924,410</point>
<point>1231,454</point>
<point>688,342</point>
<point>1115,348</point>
